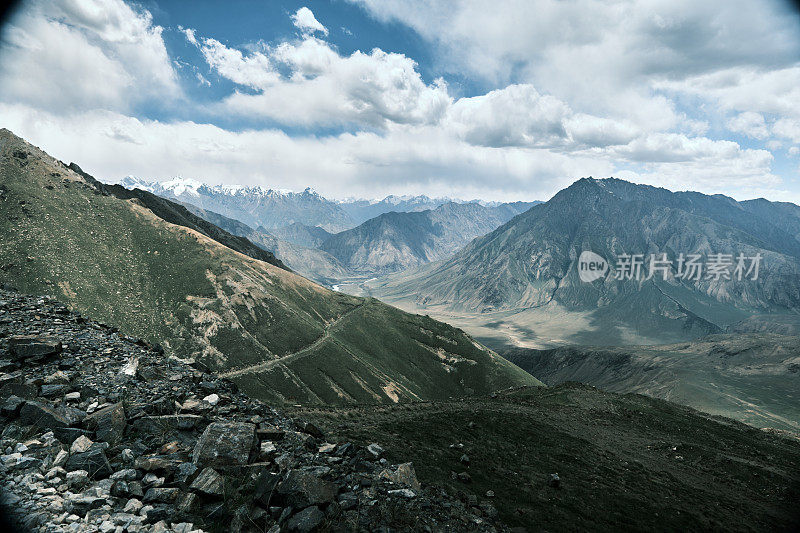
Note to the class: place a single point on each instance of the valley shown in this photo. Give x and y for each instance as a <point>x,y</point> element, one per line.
<point>109,255</point>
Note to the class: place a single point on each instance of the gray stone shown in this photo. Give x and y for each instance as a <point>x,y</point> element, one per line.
<point>301,489</point>
<point>184,472</point>
<point>209,482</point>
<point>306,521</point>
<point>11,406</point>
<point>161,495</point>
<point>94,461</point>
<point>23,347</point>
<point>42,415</point>
<point>224,444</point>
<point>186,502</point>
<point>403,493</point>
<point>108,423</point>
<point>403,475</point>
<point>80,445</point>
<point>54,389</point>
<point>375,450</point>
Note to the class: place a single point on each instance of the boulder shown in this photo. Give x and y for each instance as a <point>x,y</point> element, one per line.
<point>42,415</point>
<point>301,489</point>
<point>108,423</point>
<point>22,347</point>
<point>80,445</point>
<point>225,444</point>
<point>27,391</point>
<point>307,520</point>
<point>311,429</point>
<point>209,482</point>
<point>375,450</point>
<point>11,406</point>
<point>161,495</point>
<point>403,475</point>
<point>94,461</point>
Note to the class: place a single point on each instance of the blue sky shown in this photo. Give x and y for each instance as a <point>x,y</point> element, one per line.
<point>473,99</point>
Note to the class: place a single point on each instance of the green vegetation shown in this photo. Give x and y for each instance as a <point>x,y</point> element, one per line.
<point>625,462</point>
<point>116,261</point>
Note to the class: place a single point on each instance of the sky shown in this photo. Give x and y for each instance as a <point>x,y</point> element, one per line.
<point>488,99</point>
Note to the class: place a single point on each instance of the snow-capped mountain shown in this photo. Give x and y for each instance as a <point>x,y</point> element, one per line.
<point>275,209</point>
<point>255,206</point>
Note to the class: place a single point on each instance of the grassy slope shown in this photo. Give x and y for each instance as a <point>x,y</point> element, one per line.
<point>115,261</point>
<point>751,377</point>
<point>626,462</point>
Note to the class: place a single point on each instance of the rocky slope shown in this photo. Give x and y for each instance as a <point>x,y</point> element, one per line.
<point>531,263</point>
<point>281,337</point>
<point>574,458</point>
<point>396,241</point>
<point>102,432</point>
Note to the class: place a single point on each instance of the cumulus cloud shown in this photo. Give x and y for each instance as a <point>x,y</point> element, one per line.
<point>788,128</point>
<point>77,55</point>
<point>577,88</point>
<point>309,83</point>
<point>749,123</point>
<point>305,21</point>
<point>405,159</point>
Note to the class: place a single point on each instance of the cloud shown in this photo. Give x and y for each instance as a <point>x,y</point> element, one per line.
<point>629,61</point>
<point>788,128</point>
<point>254,70</point>
<point>305,21</point>
<point>518,115</point>
<point>749,123</point>
<point>320,87</point>
<point>78,55</point>
<point>514,116</point>
<point>405,159</point>
<point>574,89</point>
<point>745,89</point>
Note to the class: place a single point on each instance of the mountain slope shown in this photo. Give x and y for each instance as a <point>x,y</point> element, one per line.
<point>625,462</point>
<point>117,261</point>
<point>396,241</point>
<point>530,264</point>
<point>296,233</point>
<point>311,263</point>
<point>754,378</point>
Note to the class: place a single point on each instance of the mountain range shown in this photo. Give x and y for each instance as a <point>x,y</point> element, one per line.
<point>522,280</point>
<point>154,270</point>
<point>396,241</point>
<point>285,212</point>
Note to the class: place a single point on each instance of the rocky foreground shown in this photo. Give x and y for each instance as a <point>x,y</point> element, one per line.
<point>103,432</point>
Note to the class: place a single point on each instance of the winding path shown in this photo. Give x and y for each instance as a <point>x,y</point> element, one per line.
<point>299,354</point>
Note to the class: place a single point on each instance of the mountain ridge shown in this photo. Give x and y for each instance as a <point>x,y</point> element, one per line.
<point>116,261</point>
<point>530,263</point>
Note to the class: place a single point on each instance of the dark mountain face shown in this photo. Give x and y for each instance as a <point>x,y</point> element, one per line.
<point>297,233</point>
<point>532,261</point>
<point>396,241</point>
<point>749,377</point>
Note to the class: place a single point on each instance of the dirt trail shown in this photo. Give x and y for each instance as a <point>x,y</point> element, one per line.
<point>292,356</point>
